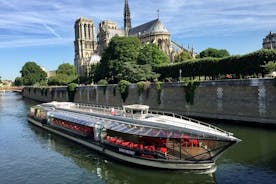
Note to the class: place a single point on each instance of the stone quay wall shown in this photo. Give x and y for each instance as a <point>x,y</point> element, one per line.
<point>252,100</point>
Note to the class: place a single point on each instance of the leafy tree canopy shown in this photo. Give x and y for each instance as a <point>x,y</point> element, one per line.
<point>32,73</point>
<point>182,56</point>
<point>270,66</point>
<point>65,74</point>
<point>151,54</point>
<point>18,81</point>
<point>67,69</point>
<point>126,59</point>
<point>211,52</point>
<point>120,50</point>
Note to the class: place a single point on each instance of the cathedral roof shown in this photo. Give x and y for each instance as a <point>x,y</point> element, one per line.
<point>154,26</point>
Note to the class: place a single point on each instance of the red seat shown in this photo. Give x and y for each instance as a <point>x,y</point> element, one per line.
<point>113,139</point>
<point>136,146</point>
<point>119,141</point>
<point>194,142</point>
<point>150,148</point>
<point>125,143</point>
<point>163,150</point>
<point>130,145</point>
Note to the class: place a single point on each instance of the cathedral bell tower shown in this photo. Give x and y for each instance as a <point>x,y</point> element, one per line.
<point>127,19</point>
<point>85,44</point>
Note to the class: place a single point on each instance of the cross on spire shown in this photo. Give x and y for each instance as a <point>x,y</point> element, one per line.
<point>158,13</point>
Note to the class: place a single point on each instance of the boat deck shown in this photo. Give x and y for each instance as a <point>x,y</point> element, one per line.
<point>161,118</point>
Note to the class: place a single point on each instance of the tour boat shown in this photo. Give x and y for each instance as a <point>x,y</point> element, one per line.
<point>136,135</point>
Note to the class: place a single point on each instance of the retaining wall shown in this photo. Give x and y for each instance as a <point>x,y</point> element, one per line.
<point>247,100</point>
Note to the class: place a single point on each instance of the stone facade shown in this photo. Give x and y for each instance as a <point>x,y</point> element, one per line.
<point>107,30</point>
<point>269,42</point>
<point>85,44</point>
<point>243,100</point>
<point>151,32</point>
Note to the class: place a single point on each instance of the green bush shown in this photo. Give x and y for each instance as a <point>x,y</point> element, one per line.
<point>159,89</point>
<point>71,88</point>
<point>123,88</point>
<point>239,65</point>
<point>102,82</point>
<point>189,87</point>
<point>270,66</point>
<point>140,86</point>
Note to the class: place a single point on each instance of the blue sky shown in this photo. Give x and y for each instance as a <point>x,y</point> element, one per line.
<point>42,31</point>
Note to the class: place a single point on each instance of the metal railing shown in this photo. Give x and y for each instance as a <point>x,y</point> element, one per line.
<point>106,109</point>
<point>189,119</point>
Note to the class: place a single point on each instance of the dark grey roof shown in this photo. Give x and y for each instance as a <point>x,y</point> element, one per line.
<point>149,27</point>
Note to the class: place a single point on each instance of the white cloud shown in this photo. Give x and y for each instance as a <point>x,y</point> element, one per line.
<point>25,42</point>
<point>53,20</point>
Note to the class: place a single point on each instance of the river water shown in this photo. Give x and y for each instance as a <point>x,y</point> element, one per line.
<point>31,155</point>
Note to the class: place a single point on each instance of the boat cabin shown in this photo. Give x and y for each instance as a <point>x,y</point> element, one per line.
<point>136,110</point>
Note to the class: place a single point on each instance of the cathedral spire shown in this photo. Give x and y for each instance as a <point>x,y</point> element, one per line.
<point>127,19</point>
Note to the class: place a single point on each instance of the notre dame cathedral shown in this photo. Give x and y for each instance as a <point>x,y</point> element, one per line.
<point>88,47</point>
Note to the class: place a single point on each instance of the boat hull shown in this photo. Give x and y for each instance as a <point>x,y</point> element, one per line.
<point>207,166</point>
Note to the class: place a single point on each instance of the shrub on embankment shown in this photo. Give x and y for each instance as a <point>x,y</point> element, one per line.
<point>248,64</point>
<point>71,88</point>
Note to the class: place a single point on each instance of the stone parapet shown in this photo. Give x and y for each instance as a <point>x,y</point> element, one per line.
<point>252,100</point>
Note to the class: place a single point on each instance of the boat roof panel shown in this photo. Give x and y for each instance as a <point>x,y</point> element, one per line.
<point>168,130</point>
<point>137,107</point>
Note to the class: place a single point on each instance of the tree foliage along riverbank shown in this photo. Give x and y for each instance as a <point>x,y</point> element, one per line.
<point>65,74</point>
<point>126,59</point>
<point>248,64</point>
<point>32,74</point>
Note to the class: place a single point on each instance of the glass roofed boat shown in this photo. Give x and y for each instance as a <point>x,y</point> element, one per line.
<point>136,135</point>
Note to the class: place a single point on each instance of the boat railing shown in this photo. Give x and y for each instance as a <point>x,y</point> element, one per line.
<point>175,115</point>
<point>104,109</point>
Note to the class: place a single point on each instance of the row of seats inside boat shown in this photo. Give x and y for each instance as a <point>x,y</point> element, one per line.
<point>136,146</point>
<point>83,130</point>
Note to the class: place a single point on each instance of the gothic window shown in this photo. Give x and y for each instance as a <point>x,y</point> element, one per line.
<point>160,43</point>
<point>76,32</point>
<point>85,31</point>
<point>89,34</point>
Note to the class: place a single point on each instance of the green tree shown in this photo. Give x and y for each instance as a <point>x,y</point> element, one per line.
<point>32,73</point>
<point>270,66</point>
<point>123,88</point>
<point>66,73</point>
<point>71,88</point>
<point>121,50</point>
<point>18,81</point>
<point>126,59</point>
<point>211,52</point>
<point>182,56</point>
<point>151,54</point>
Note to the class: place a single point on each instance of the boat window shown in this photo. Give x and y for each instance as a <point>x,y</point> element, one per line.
<point>136,111</point>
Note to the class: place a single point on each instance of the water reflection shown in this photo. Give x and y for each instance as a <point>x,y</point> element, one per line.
<point>257,146</point>
<point>251,161</point>
<point>113,172</point>
<point>29,154</point>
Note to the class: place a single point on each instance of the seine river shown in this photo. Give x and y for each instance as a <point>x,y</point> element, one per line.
<point>31,155</point>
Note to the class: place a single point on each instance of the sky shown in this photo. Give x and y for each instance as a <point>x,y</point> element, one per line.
<point>43,31</point>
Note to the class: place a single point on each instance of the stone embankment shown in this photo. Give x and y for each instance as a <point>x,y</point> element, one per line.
<point>251,100</point>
